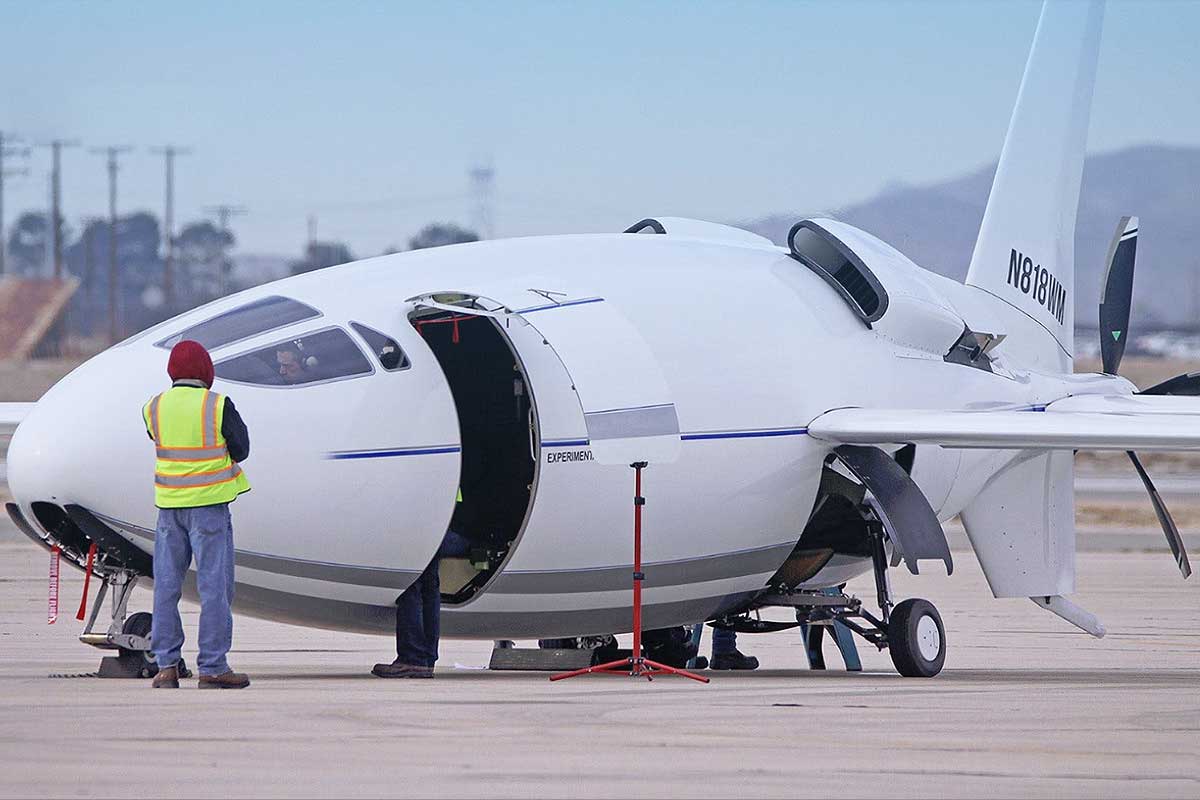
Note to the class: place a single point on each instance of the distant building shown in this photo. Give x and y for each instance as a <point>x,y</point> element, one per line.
<point>32,314</point>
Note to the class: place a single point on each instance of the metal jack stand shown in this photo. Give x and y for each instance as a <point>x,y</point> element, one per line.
<point>636,665</point>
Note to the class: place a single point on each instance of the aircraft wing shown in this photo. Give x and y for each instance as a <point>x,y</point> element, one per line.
<point>11,415</point>
<point>1088,422</point>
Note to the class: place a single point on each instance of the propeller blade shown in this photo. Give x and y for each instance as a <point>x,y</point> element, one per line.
<point>1187,384</point>
<point>1164,517</point>
<point>1117,296</point>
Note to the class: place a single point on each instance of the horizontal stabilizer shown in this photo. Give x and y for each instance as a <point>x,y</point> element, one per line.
<point>1074,423</point>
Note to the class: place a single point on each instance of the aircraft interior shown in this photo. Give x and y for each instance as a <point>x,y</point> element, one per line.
<point>495,416</point>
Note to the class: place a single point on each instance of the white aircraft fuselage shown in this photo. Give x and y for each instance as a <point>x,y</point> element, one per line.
<point>808,413</point>
<point>354,480</point>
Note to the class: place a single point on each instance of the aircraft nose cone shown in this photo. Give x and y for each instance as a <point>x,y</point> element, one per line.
<point>27,459</point>
<point>84,441</point>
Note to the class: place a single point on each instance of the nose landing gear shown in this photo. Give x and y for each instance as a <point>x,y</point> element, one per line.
<point>129,636</point>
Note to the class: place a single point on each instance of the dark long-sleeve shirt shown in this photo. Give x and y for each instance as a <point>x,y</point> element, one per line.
<point>237,438</point>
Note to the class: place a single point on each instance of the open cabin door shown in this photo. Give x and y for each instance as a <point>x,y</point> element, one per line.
<point>626,404</point>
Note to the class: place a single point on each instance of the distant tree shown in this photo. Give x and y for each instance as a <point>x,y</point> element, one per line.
<point>139,273</point>
<point>441,233</point>
<point>202,256</point>
<point>319,255</point>
<point>29,243</point>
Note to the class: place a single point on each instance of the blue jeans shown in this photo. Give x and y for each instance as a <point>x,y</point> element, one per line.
<point>724,642</point>
<point>419,609</point>
<point>205,532</point>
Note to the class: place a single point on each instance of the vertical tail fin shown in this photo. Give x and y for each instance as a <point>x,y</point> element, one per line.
<point>1025,254</point>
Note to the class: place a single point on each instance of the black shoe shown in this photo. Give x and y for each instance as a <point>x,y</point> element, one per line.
<point>396,669</point>
<point>734,660</point>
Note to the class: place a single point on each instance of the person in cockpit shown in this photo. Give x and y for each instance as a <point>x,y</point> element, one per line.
<point>292,365</point>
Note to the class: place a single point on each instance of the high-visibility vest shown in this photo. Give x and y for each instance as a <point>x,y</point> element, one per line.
<point>193,467</point>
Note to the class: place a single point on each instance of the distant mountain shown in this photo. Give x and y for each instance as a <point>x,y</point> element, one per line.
<point>936,227</point>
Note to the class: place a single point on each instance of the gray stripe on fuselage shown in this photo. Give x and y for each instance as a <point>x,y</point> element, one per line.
<point>666,573</point>
<point>340,615</point>
<point>630,423</point>
<point>606,579</point>
<point>318,570</point>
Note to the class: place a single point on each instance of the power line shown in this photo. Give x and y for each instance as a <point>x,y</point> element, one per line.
<point>224,213</point>
<point>112,153</point>
<point>56,219</point>
<point>7,149</point>
<point>169,152</point>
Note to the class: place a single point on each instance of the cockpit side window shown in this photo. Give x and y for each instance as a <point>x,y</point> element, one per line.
<point>317,357</point>
<point>385,348</point>
<point>260,316</point>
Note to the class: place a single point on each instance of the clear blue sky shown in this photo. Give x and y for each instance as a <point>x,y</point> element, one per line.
<point>595,115</point>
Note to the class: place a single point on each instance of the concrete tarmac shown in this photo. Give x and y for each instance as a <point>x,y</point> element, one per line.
<point>1026,706</point>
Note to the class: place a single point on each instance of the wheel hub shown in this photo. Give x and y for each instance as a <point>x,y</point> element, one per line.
<point>929,639</point>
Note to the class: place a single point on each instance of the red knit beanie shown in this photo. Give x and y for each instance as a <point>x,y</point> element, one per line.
<point>189,360</point>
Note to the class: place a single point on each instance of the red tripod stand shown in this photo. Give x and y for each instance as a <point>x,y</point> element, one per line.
<point>636,665</point>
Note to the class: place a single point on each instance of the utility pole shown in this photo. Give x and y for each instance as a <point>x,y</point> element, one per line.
<point>112,153</point>
<point>7,148</point>
<point>224,213</point>
<point>168,153</point>
<point>89,261</point>
<point>56,146</point>
<point>482,177</point>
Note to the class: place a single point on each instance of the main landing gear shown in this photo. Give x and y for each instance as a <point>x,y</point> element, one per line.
<point>129,636</point>
<point>911,630</point>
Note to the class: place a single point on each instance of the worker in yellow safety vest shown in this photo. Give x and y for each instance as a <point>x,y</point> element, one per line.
<point>199,438</point>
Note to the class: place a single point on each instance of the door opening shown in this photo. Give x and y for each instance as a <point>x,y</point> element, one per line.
<point>497,423</point>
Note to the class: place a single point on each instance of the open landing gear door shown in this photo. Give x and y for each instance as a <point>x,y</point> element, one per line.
<point>902,508</point>
<point>627,407</point>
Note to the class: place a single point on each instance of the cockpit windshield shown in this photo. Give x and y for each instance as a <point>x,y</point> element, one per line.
<point>317,357</point>
<point>260,316</point>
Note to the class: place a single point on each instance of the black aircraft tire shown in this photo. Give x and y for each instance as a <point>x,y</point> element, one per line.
<point>139,624</point>
<point>916,639</point>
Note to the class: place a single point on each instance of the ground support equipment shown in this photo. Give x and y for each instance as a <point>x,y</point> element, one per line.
<point>636,664</point>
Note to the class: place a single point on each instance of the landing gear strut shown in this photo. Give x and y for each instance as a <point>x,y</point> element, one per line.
<point>911,631</point>
<point>130,637</point>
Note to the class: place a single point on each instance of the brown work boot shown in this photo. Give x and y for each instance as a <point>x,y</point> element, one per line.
<point>396,669</point>
<point>227,680</point>
<point>166,678</point>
